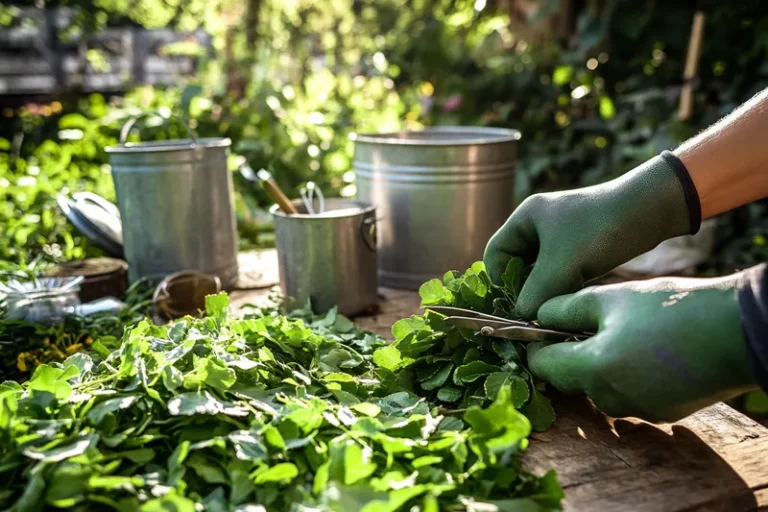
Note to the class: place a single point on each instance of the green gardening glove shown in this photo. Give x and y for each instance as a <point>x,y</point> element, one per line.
<point>579,235</point>
<point>663,348</point>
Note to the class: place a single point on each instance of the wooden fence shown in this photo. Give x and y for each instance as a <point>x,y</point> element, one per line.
<point>36,60</point>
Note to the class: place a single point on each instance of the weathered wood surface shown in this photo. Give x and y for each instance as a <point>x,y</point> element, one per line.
<point>714,460</point>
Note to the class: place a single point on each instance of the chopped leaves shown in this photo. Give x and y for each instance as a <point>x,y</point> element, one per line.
<point>281,412</point>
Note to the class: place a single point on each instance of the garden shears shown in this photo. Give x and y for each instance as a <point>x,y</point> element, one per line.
<point>497,327</point>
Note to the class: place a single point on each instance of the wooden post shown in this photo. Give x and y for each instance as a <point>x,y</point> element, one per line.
<point>691,66</point>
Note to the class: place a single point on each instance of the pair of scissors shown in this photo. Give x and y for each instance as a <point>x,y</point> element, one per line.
<point>308,196</point>
<point>497,327</point>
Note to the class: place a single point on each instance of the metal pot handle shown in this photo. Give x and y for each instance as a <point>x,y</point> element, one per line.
<point>128,126</point>
<point>368,232</point>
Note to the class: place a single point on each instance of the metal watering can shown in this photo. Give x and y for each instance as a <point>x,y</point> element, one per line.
<point>175,200</point>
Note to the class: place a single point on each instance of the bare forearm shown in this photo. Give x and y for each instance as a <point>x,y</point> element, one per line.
<point>728,162</point>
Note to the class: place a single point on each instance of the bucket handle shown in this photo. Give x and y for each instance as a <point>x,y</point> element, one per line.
<point>369,232</point>
<point>128,126</point>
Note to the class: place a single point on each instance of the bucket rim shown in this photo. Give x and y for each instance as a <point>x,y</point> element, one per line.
<point>364,206</point>
<point>169,145</point>
<point>474,135</point>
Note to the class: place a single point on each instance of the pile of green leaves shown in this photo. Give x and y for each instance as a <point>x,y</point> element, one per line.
<point>265,412</point>
<point>451,365</point>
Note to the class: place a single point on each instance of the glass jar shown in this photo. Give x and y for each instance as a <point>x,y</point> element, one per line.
<point>43,300</point>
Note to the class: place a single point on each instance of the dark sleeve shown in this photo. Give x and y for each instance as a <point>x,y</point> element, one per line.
<point>753,303</point>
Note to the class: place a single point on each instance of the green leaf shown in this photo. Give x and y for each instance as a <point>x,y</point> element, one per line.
<point>109,406</point>
<point>474,291</point>
<point>9,406</point>
<point>519,387</point>
<point>53,380</point>
<point>212,372</point>
<point>343,324</point>
<point>172,378</point>
<point>388,357</point>
<point>440,378</point>
<point>273,437</point>
<point>449,394</point>
<point>115,482</point>
<point>171,502</point>
<point>247,446</point>
<point>176,467</point>
<point>206,469</point>
<point>283,472</point>
<point>61,451</point>
<point>367,408</point>
<point>189,404</point>
<point>68,485</point>
<point>505,349</point>
<point>395,499</point>
<point>470,372</point>
<point>539,411</point>
<point>416,343</point>
<point>498,428</point>
<point>433,293</point>
<point>321,478</point>
<point>217,305</point>
<point>406,326</point>
<point>449,423</point>
<point>513,277</point>
<point>477,267</point>
<point>357,463</point>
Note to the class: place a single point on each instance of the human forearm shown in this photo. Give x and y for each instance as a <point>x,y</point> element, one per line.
<point>728,162</point>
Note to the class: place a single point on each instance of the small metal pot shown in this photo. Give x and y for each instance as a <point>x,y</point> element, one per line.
<point>329,259</point>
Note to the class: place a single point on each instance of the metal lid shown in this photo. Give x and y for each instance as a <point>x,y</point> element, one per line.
<point>97,219</point>
<point>441,136</point>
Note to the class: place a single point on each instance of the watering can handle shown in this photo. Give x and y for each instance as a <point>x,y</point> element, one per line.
<point>128,126</point>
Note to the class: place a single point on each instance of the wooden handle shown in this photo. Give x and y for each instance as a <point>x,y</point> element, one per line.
<point>274,191</point>
<point>691,66</point>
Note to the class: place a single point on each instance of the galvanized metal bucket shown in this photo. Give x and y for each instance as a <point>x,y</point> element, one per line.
<point>441,194</point>
<point>329,259</point>
<point>176,204</point>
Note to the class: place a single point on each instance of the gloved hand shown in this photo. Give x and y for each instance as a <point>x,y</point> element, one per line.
<point>578,235</point>
<point>663,348</point>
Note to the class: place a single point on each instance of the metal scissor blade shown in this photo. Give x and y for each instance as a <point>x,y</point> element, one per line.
<point>474,323</point>
<point>490,325</point>
<point>533,334</point>
<point>453,312</point>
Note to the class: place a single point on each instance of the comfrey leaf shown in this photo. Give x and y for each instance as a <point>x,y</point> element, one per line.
<point>61,451</point>
<point>539,411</point>
<point>433,293</point>
<point>470,372</point>
<point>406,326</point>
<point>190,404</point>
<point>513,277</point>
<point>217,305</point>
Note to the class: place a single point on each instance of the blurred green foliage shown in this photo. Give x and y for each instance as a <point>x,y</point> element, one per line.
<point>291,80</point>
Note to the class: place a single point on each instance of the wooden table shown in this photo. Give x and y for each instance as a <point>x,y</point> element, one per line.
<point>716,459</point>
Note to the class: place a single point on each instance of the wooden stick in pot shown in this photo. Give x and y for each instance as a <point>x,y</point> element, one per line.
<point>275,193</point>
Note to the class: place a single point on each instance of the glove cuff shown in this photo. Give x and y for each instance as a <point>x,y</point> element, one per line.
<point>689,189</point>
